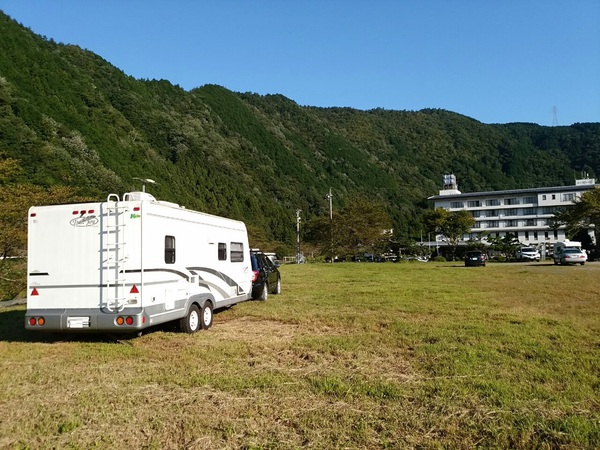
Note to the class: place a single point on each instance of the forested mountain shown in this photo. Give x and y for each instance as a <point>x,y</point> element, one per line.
<point>71,118</point>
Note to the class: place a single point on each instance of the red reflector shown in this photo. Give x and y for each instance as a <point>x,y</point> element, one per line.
<point>32,215</point>
<point>136,208</point>
<point>129,320</point>
<point>32,321</point>
<point>91,211</point>
<point>34,292</point>
<point>134,290</point>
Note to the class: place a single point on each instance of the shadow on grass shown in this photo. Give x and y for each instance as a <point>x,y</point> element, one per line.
<point>12,329</point>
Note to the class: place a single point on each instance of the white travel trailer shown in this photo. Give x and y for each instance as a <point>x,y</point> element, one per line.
<point>125,265</point>
<point>567,251</point>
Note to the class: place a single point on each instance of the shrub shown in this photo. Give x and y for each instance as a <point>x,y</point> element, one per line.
<point>439,259</point>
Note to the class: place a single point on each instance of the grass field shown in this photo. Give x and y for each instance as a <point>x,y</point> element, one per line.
<point>350,355</point>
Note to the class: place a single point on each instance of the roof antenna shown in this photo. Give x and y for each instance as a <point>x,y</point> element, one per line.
<point>144,181</point>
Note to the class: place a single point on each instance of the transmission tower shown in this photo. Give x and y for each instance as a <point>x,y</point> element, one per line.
<point>554,116</point>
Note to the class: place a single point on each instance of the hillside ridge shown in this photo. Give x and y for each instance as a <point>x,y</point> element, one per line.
<point>71,118</point>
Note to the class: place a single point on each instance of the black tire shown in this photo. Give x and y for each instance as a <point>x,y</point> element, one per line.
<point>277,289</point>
<point>206,318</point>
<point>191,322</point>
<point>264,293</point>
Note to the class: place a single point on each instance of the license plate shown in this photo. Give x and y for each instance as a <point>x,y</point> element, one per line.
<point>78,322</point>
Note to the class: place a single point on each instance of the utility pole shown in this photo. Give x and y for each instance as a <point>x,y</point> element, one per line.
<point>298,257</point>
<point>330,196</point>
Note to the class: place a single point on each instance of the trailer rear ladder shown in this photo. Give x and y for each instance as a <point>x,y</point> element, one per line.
<point>113,254</point>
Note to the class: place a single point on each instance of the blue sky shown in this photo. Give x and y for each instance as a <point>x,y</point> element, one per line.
<point>496,61</point>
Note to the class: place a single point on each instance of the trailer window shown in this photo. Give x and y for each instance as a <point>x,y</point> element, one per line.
<point>222,251</point>
<point>170,249</point>
<point>237,252</point>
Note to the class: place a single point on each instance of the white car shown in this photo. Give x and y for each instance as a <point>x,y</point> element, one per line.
<point>528,254</point>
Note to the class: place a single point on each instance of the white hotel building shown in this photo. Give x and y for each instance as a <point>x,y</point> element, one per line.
<point>525,213</point>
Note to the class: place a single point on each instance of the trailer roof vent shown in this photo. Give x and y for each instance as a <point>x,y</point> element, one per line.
<point>140,196</point>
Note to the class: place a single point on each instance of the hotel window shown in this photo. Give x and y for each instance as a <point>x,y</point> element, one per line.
<point>473,203</point>
<point>457,204</point>
<point>493,224</point>
<point>528,211</point>
<point>492,213</point>
<point>492,202</point>
<point>511,201</point>
<point>535,235</point>
<point>546,235</point>
<point>530,223</point>
<point>512,223</point>
<point>568,197</point>
<point>543,196</point>
<point>529,200</point>
<point>476,213</point>
<point>511,212</point>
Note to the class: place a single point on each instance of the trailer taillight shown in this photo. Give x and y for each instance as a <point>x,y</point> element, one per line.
<point>37,321</point>
<point>255,275</point>
<point>124,320</point>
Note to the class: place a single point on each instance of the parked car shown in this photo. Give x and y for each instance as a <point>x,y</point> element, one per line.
<point>528,254</point>
<point>266,278</point>
<point>572,255</point>
<point>475,258</point>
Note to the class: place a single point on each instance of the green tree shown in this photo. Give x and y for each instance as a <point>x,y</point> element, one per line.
<point>579,217</point>
<point>507,244</point>
<point>451,225</point>
<point>363,226</point>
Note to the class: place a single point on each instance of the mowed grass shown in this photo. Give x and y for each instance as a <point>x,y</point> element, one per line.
<point>414,355</point>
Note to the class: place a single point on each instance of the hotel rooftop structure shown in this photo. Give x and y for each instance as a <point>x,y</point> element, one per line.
<point>525,213</point>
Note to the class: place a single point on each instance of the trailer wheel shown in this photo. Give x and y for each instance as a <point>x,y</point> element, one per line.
<point>277,289</point>
<point>207,316</point>
<point>191,322</point>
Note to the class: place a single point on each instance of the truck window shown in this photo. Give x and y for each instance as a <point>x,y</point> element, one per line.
<point>170,249</point>
<point>237,252</point>
<point>222,251</point>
